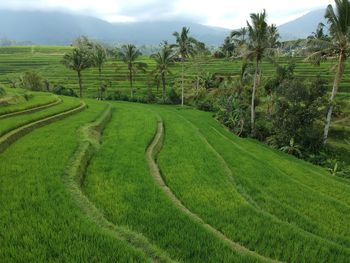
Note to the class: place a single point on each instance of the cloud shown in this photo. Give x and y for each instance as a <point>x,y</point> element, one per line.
<point>224,13</point>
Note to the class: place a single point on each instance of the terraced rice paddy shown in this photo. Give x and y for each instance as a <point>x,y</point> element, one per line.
<point>15,60</point>
<point>90,181</point>
<point>126,182</point>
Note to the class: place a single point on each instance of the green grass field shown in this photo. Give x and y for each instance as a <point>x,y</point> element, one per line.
<point>129,182</point>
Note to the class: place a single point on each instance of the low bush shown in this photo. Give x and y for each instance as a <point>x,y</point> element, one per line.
<point>60,90</point>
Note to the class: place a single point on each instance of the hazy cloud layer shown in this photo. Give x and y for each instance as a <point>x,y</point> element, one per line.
<point>224,13</point>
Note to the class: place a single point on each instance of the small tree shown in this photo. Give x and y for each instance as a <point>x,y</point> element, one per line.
<point>32,80</point>
<point>338,46</point>
<point>185,46</point>
<point>257,45</point>
<point>164,59</point>
<point>129,55</point>
<point>99,56</point>
<point>79,59</point>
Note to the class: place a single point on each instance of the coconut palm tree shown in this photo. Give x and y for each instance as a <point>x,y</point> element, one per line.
<point>164,59</point>
<point>239,37</point>
<point>185,46</point>
<point>339,46</point>
<point>129,54</point>
<point>258,32</point>
<point>319,34</point>
<point>273,36</point>
<point>78,60</point>
<point>99,56</point>
<point>227,48</point>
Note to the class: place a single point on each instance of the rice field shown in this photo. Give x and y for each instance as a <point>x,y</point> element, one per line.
<point>46,60</point>
<point>83,180</point>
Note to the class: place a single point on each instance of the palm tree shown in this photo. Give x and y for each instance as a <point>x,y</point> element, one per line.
<point>239,37</point>
<point>273,36</point>
<point>129,54</point>
<point>258,32</point>
<point>319,34</point>
<point>99,58</point>
<point>185,48</point>
<point>339,46</point>
<point>78,60</point>
<point>228,47</point>
<point>164,59</point>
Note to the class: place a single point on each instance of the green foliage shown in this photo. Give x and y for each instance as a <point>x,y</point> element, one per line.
<point>32,80</point>
<point>233,112</point>
<point>129,55</point>
<point>54,226</point>
<point>299,113</point>
<point>173,97</point>
<point>226,180</point>
<point>164,59</point>
<point>79,59</point>
<point>60,90</point>
<point>2,92</point>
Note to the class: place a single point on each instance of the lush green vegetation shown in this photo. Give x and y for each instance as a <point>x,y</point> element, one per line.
<point>12,123</point>
<point>249,191</point>
<point>20,100</point>
<point>39,219</point>
<point>122,187</point>
<point>106,181</point>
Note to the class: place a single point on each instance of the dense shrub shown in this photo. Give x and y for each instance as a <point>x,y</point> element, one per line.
<point>299,113</point>
<point>233,113</point>
<point>117,95</point>
<point>31,80</point>
<point>173,97</point>
<point>60,90</point>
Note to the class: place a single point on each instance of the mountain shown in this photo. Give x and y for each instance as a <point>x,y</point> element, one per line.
<point>302,26</point>
<point>56,28</point>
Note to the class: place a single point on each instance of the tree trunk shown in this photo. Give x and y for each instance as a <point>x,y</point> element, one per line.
<point>131,87</point>
<point>80,84</point>
<point>182,84</point>
<point>252,113</point>
<point>163,82</point>
<point>100,78</point>
<point>337,79</point>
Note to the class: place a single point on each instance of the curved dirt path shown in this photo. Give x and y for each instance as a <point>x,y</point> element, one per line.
<point>90,136</point>
<point>151,153</point>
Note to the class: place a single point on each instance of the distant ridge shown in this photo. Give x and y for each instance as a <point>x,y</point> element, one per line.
<point>302,26</point>
<point>57,28</point>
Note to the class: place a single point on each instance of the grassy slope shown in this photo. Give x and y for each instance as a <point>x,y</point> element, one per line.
<point>118,181</point>
<point>39,220</point>
<point>9,124</point>
<point>202,183</point>
<point>38,99</point>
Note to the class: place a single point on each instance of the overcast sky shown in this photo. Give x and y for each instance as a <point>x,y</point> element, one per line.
<point>223,13</point>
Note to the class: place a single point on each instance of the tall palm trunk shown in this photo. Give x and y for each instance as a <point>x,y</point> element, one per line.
<point>252,112</point>
<point>337,79</point>
<point>100,78</point>
<point>130,79</point>
<point>80,84</point>
<point>182,84</point>
<point>164,87</point>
